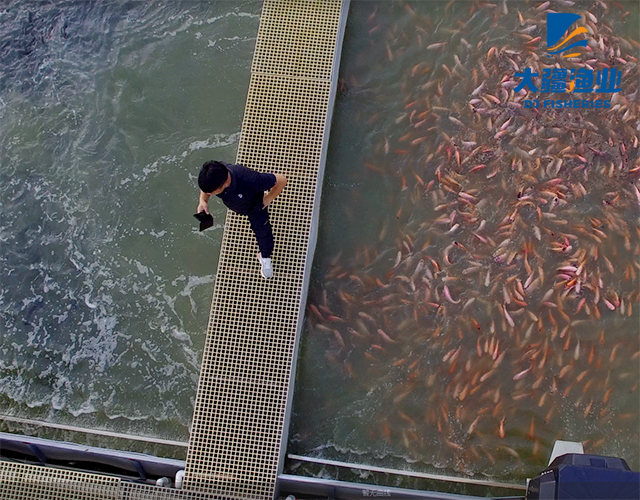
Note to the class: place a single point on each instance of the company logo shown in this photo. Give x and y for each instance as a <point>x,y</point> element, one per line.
<point>571,82</point>
<point>557,25</point>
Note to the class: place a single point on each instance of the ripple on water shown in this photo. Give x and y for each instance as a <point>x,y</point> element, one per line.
<point>106,115</point>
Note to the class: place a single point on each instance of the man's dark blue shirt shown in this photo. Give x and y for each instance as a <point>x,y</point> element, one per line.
<point>246,191</point>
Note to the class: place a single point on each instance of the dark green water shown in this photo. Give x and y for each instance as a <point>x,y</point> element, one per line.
<point>107,111</point>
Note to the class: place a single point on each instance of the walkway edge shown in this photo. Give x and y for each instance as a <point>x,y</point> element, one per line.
<point>313,236</point>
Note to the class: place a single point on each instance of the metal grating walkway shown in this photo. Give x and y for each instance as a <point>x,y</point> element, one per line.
<point>239,422</point>
<point>241,413</point>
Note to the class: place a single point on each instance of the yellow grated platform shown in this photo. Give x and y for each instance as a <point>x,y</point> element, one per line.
<point>239,424</point>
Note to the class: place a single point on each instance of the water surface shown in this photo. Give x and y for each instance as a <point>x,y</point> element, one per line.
<point>450,385</point>
<point>107,110</point>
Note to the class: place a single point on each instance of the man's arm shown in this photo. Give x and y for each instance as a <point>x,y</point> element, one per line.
<point>281,182</point>
<point>203,203</point>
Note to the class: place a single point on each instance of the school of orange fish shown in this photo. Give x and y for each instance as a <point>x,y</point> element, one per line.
<point>505,303</point>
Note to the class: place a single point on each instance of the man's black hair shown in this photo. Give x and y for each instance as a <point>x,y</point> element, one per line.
<point>213,174</point>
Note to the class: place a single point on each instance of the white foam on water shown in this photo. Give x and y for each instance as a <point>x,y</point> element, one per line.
<point>238,38</point>
<point>85,408</point>
<point>87,301</point>
<point>35,404</point>
<point>180,335</point>
<point>31,300</point>
<point>193,282</point>
<point>214,19</point>
<point>98,350</point>
<point>192,359</point>
<point>141,268</point>
<point>218,141</point>
<point>33,334</point>
<point>61,388</point>
<point>145,347</point>
<point>133,418</point>
<point>61,317</point>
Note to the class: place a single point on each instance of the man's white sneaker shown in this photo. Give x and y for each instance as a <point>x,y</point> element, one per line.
<point>266,270</point>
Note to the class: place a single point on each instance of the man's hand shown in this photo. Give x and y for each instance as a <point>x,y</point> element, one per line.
<point>281,182</point>
<point>203,204</point>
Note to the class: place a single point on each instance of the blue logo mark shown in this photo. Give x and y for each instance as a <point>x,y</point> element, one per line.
<point>557,25</point>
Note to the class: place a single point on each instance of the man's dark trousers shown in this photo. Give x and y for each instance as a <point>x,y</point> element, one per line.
<point>259,219</point>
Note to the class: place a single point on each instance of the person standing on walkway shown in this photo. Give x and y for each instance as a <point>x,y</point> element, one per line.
<point>242,190</point>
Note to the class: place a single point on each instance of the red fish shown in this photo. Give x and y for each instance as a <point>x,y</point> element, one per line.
<point>386,337</point>
<point>447,295</point>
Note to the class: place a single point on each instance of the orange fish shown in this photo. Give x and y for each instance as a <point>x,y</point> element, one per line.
<point>532,430</point>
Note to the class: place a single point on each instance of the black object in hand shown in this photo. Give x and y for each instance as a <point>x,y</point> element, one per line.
<point>206,220</point>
